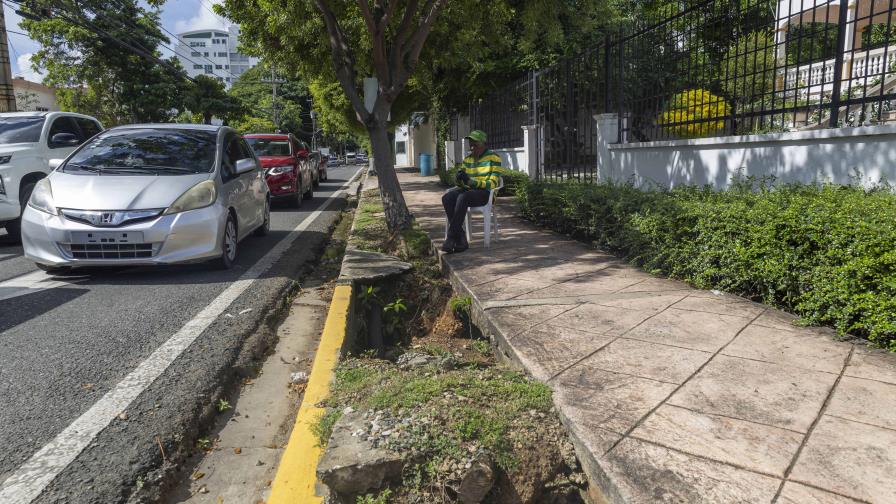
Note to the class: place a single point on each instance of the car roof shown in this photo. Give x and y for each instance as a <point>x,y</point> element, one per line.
<point>194,127</point>
<point>24,114</point>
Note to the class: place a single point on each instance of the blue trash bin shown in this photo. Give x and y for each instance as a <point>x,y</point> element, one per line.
<point>425,165</point>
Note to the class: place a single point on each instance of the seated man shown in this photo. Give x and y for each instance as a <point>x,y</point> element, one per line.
<point>481,172</point>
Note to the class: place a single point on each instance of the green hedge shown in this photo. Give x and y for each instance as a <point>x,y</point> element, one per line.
<point>826,253</point>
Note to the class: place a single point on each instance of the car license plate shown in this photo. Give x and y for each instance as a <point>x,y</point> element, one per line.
<point>107,237</point>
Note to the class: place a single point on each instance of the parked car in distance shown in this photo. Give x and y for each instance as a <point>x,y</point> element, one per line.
<point>148,194</point>
<point>333,160</point>
<point>286,166</point>
<point>361,158</point>
<point>28,140</point>
<point>322,161</point>
<point>350,158</point>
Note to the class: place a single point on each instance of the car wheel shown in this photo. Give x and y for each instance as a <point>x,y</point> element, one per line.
<point>296,202</point>
<point>228,245</point>
<point>14,227</point>
<point>310,193</point>
<point>266,225</point>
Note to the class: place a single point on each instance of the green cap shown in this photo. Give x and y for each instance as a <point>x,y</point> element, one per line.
<point>476,136</point>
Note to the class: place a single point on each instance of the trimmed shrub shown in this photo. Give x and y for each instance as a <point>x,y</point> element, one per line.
<point>697,105</point>
<point>825,253</point>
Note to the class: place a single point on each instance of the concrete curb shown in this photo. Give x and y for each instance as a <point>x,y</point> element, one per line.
<point>296,479</point>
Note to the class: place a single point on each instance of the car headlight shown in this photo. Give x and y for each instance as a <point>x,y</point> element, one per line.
<point>42,197</point>
<point>200,195</point>
<point>279,170</point>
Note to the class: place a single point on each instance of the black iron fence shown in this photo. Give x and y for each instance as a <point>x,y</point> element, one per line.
<point>707,68</point>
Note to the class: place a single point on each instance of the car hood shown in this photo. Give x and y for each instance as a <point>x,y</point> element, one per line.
<point>7,149</point>
<point>268,161</point>
<point>116,192</point>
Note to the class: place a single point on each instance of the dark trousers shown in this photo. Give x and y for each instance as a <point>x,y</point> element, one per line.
<point>456,202</point>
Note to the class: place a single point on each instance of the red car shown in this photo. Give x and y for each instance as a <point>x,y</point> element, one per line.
<point>287,167</point>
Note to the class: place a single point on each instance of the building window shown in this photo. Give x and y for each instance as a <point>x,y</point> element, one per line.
<point>401,148</point>
<point>205,54</point>
<point>219,67</point>
<point>197,44</point>
<point>195,53</point>
<point>222,54</point>
<point>197,67</point>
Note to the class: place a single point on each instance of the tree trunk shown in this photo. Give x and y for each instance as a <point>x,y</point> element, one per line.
<point>397,215</point>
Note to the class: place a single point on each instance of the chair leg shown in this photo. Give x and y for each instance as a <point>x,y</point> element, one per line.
<point>446,228</point>
<point>495,225</point>
<point>487,224</point>
<point>467,228</point>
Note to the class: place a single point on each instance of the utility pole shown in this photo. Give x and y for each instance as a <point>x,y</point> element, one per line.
<point>7,92</point>
<point>273,81</point>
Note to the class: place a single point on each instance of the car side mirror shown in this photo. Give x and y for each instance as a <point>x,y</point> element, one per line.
<point>245,166</point>
<point>54,163</point>
<point>303,153</point>
<point>64,140</point>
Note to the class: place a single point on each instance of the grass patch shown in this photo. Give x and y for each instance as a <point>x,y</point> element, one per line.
<point>322,428</point>
<point>465,405</point>
<point>823,252</point>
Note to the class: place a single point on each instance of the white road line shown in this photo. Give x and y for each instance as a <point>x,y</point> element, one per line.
<point>29,283</point>
<point>29,480</point>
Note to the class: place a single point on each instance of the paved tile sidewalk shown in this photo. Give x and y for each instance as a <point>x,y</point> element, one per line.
<point>673,394</point>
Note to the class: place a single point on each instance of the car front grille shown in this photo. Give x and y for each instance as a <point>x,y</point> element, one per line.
<point>110,250</point>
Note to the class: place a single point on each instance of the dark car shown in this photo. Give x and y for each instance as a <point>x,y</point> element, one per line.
<point>287,167</point>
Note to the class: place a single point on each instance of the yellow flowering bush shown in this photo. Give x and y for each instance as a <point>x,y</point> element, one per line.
<point>698,105</point>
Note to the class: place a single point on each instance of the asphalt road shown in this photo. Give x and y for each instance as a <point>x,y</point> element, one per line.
<point>65,351</point>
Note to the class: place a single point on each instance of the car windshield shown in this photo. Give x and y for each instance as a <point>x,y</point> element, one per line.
<point>20,129</point>
<point>155,151</point>
<point>269,146</point>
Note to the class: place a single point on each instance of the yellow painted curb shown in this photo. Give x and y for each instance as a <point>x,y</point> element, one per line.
<point>297,475</point>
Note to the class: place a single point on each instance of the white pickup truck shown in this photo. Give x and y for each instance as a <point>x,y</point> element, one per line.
<point>28,141</point>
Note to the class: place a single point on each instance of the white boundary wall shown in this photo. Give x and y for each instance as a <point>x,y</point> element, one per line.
<point>863,155</point>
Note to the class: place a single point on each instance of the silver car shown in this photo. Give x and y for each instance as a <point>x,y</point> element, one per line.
<point>148,194</point>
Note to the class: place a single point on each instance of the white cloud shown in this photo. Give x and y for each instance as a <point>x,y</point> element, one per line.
<point>203,20</point>
<point>26,71</point>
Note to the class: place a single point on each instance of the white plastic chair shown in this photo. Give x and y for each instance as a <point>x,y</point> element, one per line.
<point>489,217</point>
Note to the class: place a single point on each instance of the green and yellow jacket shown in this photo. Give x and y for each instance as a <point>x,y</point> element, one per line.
<point>485,172</point>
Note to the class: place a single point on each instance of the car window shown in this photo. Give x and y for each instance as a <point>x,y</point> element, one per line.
<point>63,125</point>
<point>20,129</point>
<point>269,146</point>
<point>235,149</point>
<point>88,127</point>
<point>155,151</point>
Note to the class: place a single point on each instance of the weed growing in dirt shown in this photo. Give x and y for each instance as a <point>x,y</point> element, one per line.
<point>482,347</point>
<point>381,498</point>
<point>322,427</point>
<point>223,405</point>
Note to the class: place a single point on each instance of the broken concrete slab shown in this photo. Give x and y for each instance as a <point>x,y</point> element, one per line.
<point>352,465</point>
<point>361,266</point>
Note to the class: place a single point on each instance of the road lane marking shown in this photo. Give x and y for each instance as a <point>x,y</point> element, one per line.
<point>29,480</point>
<point>29,283</point>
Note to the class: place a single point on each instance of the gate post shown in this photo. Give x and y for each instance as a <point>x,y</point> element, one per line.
<point>530,147</point>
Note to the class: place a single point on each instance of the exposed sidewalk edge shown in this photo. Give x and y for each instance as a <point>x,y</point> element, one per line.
<point>296,479</point>
<point>297,474</point>
<point>602,489</point>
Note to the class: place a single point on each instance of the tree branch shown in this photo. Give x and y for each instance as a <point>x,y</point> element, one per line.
<point>343,62</point>
<point>409,55</point>
<point>377,37</point>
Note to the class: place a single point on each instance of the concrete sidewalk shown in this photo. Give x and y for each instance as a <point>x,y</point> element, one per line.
<point>673,394</point>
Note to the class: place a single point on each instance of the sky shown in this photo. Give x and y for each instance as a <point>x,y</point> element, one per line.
<point>177,16</point>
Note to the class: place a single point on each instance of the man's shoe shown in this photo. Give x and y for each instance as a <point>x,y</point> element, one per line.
<point>461,244</point>
<point>448,246</point>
